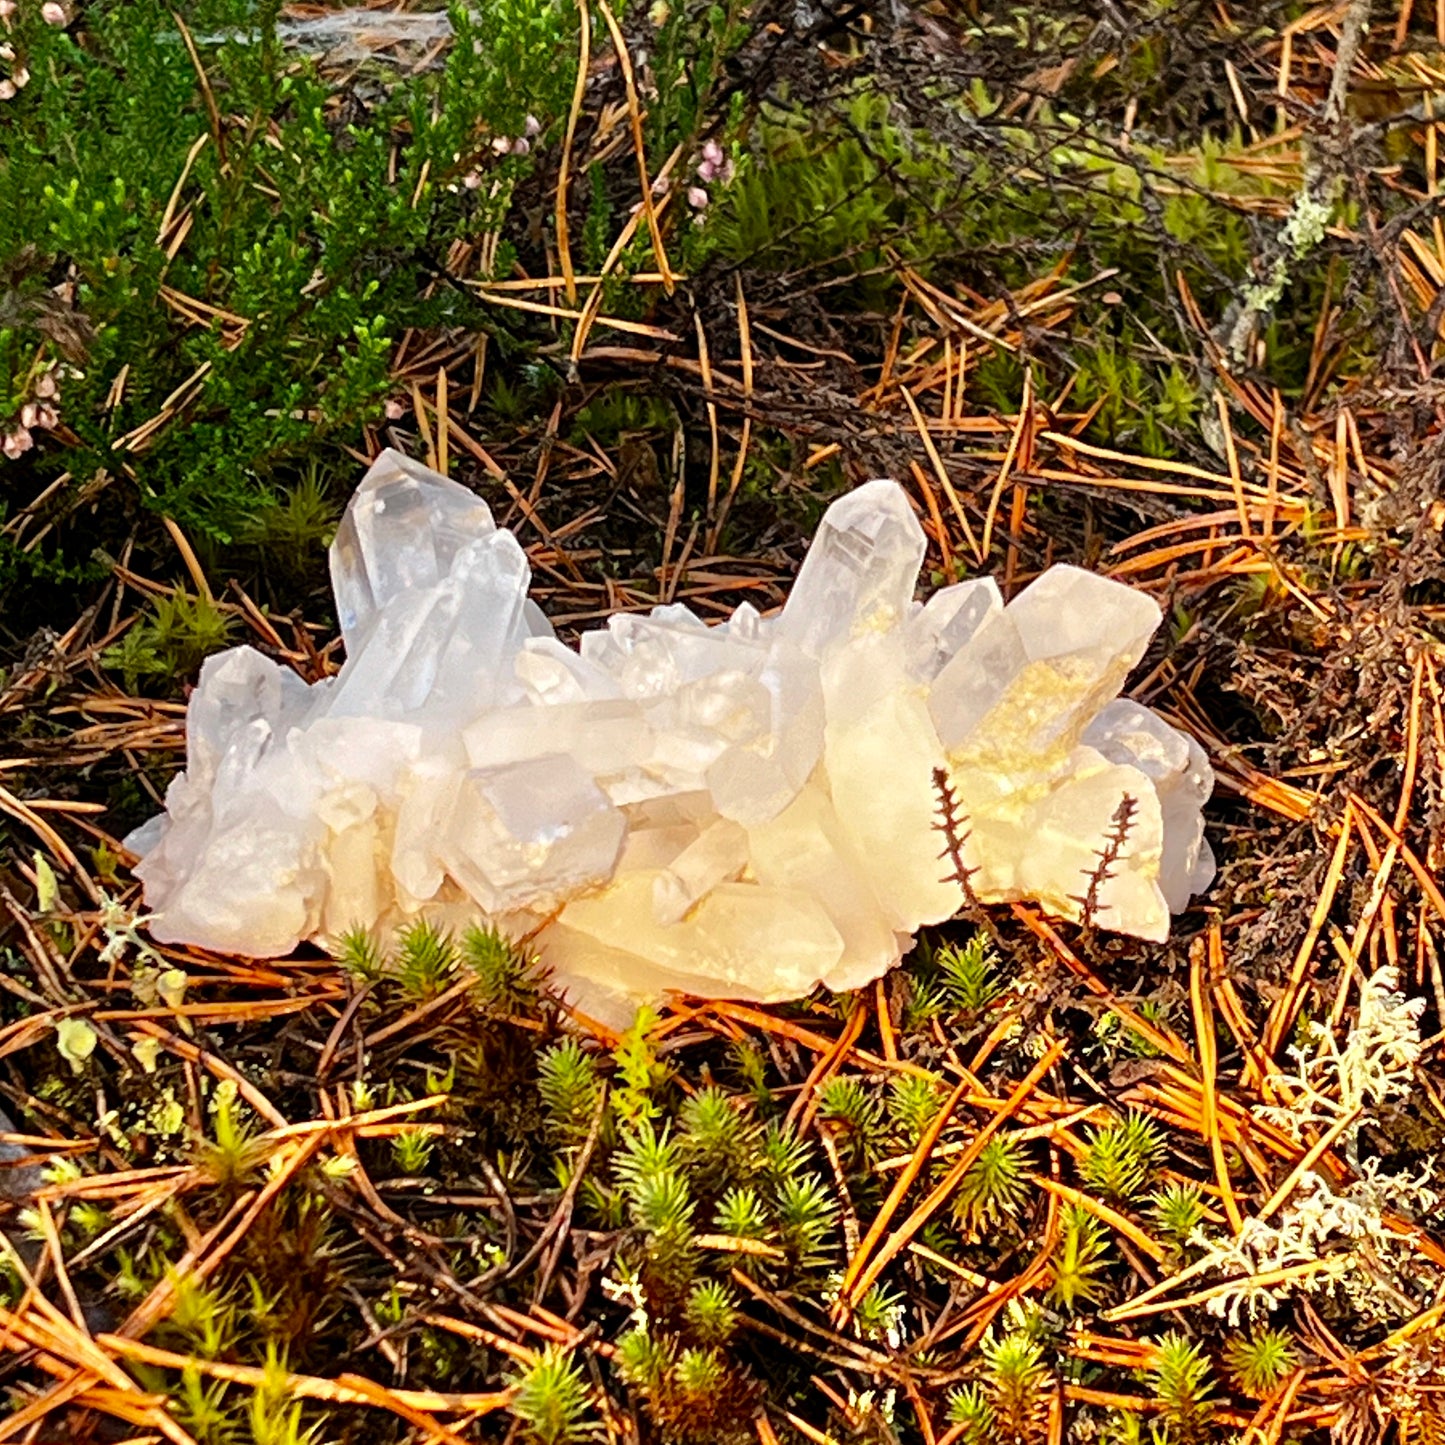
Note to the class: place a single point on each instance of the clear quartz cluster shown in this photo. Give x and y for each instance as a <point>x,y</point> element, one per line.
<point>743,810</point>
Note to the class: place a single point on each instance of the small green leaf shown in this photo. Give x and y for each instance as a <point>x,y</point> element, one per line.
<point>171,986</point>
<point>107,861</point>
<point>76,1040</point>
<point>47,888</point>
<point>146,1051</point>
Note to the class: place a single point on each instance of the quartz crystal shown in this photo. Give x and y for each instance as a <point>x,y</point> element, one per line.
<point>742,810</point>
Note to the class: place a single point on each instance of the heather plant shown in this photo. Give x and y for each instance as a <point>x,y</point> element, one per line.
<point>1079,1260</point>
<point>1178,1211</point>
<point>995,1185</point>
<point>1122,1156</point>
<point>552,1399</point>
<point>1258,1361</point>
<point>214,251</point>
<point>1180,1381</point>
<point>209,253</point>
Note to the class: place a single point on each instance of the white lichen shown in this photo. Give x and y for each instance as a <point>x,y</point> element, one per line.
<point>1331,1082</point>
<point>1345,1230</point>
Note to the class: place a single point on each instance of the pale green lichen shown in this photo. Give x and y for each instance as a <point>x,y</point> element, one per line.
<point>1303,230</point>
<point>1345,1230</point>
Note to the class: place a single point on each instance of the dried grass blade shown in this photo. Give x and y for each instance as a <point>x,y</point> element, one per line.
<point>309,1387</point>
<point>564,165</point>
<point>901,1186</point>
<point>1281,1016</point>
<point>634,115</point>
<point>896,1242</point>
<point>942,473</point>
<point>1116,1221</point>
<point>1167,1043</point>
<point>1212,958</point>
<point>1025,417</point>
<point>800,1115</point>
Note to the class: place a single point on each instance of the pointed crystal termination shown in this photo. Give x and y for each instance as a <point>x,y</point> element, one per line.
<point>860,572</point>
<point>401,533</point>
<point>1035,672</point>
<point>746,810</point>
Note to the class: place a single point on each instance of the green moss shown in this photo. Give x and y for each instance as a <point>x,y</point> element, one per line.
<point>171,640</point>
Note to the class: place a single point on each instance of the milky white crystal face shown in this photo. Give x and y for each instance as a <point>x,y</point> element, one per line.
<point>743,810</point>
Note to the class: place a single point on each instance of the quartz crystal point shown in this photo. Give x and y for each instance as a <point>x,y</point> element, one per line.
<point>743,810</point>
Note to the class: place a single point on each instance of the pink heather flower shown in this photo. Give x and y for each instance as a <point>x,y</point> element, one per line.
<point>7,91</point>
<point>46,416</point>
<point>532,127</point>
<point>662,185</point>
<point>52,14</point>
<point>707,171</point>
<point>28,413</point>
<point>712,153</point>
<point>20,78</point>
<point>502,145</point>
<point>696,197</point>
<point>521,146</point>
<point>472,180</point>
<point>46,386</point>
<point>7,9</point>
<point>395,409</point>
<point>17,443</point>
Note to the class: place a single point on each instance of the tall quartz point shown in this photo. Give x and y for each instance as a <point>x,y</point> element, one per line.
<point>402,533</point>
<point>745,810</point>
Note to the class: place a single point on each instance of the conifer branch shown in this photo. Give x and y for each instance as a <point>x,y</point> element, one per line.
<point>1120,826</point>
<point>953,825</point>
